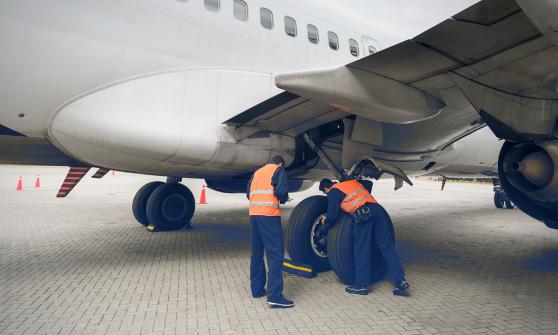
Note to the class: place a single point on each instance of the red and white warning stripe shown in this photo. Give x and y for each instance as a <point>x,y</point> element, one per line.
<point>100,173</point>
<point>74,176</point>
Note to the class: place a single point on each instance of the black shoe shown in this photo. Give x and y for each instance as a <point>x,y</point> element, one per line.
<point>280,302</point>
<point>256,296</point>
<point>401,287</point>
<point>356,290</point>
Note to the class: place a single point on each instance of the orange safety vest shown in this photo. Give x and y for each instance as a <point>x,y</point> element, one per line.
<point>355,195</point>
<point>262,197</point>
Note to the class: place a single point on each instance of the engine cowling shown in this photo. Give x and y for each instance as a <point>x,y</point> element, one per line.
<point>529,175</point>
<point>239,185</point>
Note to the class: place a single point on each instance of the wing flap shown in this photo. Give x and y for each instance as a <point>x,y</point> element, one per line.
<point>405,62</point>
<point>488,12</point>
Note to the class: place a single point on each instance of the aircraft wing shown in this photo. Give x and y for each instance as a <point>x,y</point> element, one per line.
<point>491,44</point>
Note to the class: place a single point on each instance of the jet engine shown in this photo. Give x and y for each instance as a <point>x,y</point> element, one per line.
<point>529,175</point>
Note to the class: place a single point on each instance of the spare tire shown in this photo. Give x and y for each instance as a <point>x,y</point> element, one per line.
<point>299,235</point>
<point>340,252</point>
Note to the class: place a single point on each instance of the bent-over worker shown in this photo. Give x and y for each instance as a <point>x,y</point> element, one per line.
<point>267,189</point>
<point>369,221</point>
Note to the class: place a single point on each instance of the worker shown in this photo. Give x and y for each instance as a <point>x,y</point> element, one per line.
<point>369,221</point>
<point>267,189</point>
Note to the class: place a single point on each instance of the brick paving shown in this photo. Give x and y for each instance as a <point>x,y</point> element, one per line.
<point>77,267</point>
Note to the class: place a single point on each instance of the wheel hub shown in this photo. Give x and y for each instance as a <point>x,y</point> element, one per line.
<point>174,207</point>
<point>320,249</point>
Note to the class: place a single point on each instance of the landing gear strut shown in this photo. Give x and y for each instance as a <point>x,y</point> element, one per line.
<point>501,199</point>
<point>164,206</point>
<point>336,253</point>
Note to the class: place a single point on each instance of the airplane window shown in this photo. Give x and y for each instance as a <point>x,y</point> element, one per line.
<point>313,35</point>
<point>333,40</point>
<point>241,10</point>
<point>290,26</point>
<point>212,5</point>
<point>266,18</point>
<point>371,50</point>
<point>353,45</point>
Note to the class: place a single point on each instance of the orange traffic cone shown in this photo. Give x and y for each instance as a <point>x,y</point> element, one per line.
<point>202,196</point>
<point>38,182</point>
<point>19,185</point>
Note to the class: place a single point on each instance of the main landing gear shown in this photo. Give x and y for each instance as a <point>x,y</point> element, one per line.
<point>334,254</point>
<point>501,199</point>
<point>164,206</point>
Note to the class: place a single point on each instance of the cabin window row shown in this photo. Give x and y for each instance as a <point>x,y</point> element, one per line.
<point>240,12</point>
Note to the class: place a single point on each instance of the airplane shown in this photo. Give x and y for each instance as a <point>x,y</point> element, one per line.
<point>213,88</point>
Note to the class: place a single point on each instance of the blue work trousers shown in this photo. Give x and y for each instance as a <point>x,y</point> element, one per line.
<point>379,228</point>
<point>267,235</point>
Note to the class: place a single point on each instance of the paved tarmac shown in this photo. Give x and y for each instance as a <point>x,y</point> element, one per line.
<point>82,265</point>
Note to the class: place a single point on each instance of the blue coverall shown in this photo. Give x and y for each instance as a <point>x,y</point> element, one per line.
<point>267,235</point>
<point>378,228</point>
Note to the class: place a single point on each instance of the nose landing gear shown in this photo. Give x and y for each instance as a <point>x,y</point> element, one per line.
<point>164,206</point>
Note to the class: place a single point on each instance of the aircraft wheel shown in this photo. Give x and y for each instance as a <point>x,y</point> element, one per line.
<point>139,204</point>
<point>340,249</point>
<point>170,206</point>
<point>301,240</point>
<point>498,200</point>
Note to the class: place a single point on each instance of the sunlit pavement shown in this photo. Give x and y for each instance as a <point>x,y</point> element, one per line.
<point>83,265</point>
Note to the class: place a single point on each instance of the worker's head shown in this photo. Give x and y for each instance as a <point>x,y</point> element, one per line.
<point>326,185</point>
<point>277,160</point>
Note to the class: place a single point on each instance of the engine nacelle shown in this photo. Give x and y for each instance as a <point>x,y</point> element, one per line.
<point>529,175</point>
<point>239,185</point>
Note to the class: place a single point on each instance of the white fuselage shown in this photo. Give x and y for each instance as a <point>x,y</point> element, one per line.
<point>144,85</point>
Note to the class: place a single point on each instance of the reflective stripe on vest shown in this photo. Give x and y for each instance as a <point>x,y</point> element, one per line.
<point>261,192</point>
<point>356,195</point>
<point>262,197</point>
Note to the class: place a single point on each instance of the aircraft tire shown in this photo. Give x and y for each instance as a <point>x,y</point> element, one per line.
<point>498,200</point>
<point>299,233</point>
<point>139,204</point>
<point>340,251</point>
<point>509,204</point>
<point>170,206</point>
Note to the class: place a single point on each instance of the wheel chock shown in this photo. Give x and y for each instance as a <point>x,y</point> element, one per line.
<point>298,269</point>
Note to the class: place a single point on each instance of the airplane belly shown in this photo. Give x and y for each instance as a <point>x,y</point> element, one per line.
<point>133,125</point>
<point>166,123</point>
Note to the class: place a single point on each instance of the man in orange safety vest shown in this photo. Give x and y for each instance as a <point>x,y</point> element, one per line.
<point>267,190</point>
<point>369,222</point>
